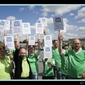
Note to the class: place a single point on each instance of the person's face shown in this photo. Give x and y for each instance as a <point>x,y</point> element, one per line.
<point>17,45</point>
<point>31,50</point>
<point>55,44</point>
<point>22,53</point>
<point>2,53</point>
<point>66,47</point>
<point>76,44</point>
<point>35,47</point>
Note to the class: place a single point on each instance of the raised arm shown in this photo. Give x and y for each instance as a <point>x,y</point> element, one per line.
<point>44,31</point>
<point>16,42</point>
<point>60,38</point>
<point>5,34</point>
<point>39,42</point>
<point>27,43</point>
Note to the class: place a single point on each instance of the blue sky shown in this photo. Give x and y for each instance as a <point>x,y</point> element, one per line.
<point>73,15</point>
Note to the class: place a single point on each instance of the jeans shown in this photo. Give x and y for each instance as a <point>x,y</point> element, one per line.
<point>35,75</point>
<point>57,72</point>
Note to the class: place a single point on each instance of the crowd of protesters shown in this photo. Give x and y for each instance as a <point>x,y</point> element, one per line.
<point>22,62</point>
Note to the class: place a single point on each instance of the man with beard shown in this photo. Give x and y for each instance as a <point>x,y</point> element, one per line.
<point>76,59</point>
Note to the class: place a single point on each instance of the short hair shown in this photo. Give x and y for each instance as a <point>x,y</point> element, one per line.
<point>30,48</point>
<point>76,39</point>
<point>54,41</point>
<point>21,49</point>
<point>65,45</point>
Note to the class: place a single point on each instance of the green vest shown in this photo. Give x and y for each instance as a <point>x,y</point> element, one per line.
<point>33,62</point>
<point>64,65</point>
<point>48,70</point>
<point>76,63</point>
<point>56,56</point>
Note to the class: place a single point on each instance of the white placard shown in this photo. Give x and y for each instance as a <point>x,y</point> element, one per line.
<point>9,42</point>
<point>2,25</point>
<point>47,52</point>
<point>47,40</point>
<point>31,40</point>
<point>58,23</point>
<point>17,27</point>
<point>26,28</point>
<point>7,24</point>
<point>64,30</point>
<point>39,28</point>
<point>43,20</point>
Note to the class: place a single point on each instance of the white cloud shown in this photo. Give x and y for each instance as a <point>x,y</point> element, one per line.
<point>11,18</point>
<point>81,29</point>
<point>65,20</point>
<point>70,27</point>
<point>70,35</point>
<point>58,10</point>
<point>81,13</point>
<point>71,14</point>
<point>49,21</point>
<point>21,9</point>
<point>82,21</point>
<point>83,33</point>
<point>31,7</point>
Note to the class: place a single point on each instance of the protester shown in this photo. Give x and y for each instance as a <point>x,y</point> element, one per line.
<point>76,59</point>
<point>33,58</point>
<point>23,69</point>
<point>48,68</point>
<point>56,56</point>
<point>6,64</point>
<point>16,53</point>
<point>64,63</point>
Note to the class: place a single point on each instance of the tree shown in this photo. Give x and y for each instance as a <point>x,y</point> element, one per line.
<point>24,41</point>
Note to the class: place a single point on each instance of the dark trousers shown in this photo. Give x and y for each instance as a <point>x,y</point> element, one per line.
<point>57,72</point>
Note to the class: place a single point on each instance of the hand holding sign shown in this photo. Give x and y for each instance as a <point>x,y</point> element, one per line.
<point>60,37</point>
<point>27,40</point>
<point>44,31</point>
<point>5,34</point>
<point>39,36</point>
